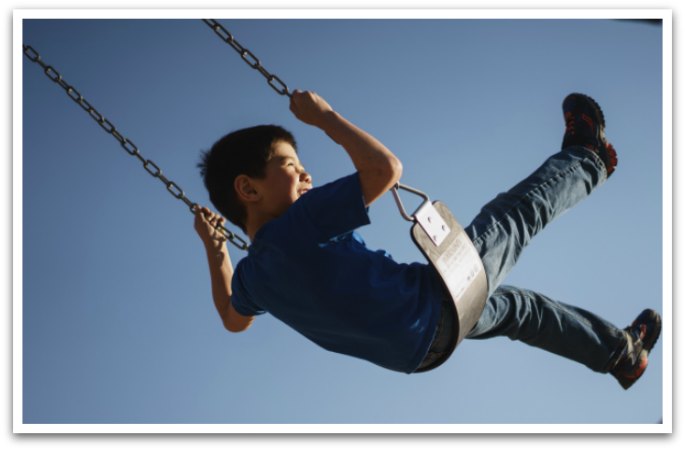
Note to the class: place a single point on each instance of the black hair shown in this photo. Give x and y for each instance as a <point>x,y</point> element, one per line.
<point>242,152</point>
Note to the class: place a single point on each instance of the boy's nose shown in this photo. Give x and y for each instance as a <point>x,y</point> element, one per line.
<point>306,177</point>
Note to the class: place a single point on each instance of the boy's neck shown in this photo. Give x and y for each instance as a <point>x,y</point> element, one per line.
<point>254,223</point>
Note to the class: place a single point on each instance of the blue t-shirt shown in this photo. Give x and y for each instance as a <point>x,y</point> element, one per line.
<point>311,270</point>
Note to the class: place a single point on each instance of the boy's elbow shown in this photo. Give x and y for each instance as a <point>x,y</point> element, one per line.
<point>233,328</point>
<point>379,179</point>
<point>237,326</point>
<point>390,172</point>
<point>395,168</point>
<point>233,321</point>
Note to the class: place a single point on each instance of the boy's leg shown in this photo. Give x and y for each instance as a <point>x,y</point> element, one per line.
<point>505,225</point>
<point>571,332</point>
<point>565,330</point>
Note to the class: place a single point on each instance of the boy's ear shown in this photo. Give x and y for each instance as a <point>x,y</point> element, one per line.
<point>245,189</point>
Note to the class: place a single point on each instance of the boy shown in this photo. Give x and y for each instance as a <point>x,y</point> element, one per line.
<point>308,267</point>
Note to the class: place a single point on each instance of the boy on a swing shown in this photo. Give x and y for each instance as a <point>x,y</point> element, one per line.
<point>309,268</point>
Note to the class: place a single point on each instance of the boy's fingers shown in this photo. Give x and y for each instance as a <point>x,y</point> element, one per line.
<point>205,215</point>
<point>209,216</point>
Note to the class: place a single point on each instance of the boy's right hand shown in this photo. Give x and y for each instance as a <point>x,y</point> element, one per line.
<point>206,223</point>
<point>309,107</point>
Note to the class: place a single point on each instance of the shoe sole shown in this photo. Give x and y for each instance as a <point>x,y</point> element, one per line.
<point>649,341</point>
<point>628,380</point>
<point>598,109</point>
<point>607,153</point>
<point>647,344</point>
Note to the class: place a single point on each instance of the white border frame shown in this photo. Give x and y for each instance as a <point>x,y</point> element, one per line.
<point>17,55</point>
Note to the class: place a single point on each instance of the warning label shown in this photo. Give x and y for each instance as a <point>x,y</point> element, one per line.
<point>459,265</point>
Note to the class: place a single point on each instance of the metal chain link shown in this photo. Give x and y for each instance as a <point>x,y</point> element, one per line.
<point>250,59</point>
<point>150,167</point>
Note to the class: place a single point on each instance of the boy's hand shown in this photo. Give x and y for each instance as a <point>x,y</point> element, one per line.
<point>379,170</point>
<point>206,223</point>
<point>309,107</point>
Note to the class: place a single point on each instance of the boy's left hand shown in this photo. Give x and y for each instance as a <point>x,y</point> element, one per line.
<point>206,223</point>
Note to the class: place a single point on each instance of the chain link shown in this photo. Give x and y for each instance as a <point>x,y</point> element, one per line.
<point>250,59</point>
<point>150,166</point>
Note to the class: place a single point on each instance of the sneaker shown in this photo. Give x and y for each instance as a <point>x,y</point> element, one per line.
<point>585,127</point>
<point>642,334</point>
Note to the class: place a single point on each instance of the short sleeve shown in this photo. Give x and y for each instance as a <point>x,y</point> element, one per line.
<point>240,299</point>
<point>335,208</point>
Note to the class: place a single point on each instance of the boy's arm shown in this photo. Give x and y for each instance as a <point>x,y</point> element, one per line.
<point>379,169</point>
<point>220,270</point>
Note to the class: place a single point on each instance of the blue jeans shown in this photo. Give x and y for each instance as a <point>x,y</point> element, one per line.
<point>500,232</point>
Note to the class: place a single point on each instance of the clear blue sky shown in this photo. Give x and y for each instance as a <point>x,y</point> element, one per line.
<point>118,322</point>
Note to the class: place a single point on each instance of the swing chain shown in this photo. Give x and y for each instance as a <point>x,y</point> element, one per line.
<point>150,166</point>
<point>250,59</point>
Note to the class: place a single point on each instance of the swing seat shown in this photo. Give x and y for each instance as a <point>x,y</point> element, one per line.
<point>450,251</point>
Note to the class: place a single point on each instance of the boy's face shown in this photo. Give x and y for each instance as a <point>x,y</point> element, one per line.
<point>284,182</point>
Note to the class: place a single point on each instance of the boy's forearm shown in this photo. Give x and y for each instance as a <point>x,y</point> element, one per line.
<point>378,167</point>
<point>221,274</point>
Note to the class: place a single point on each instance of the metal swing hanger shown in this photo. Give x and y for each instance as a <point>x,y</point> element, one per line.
<point>426,216</point>
<point>150,166</point>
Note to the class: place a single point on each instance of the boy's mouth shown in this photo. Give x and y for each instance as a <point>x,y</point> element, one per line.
<point>303,190</point>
